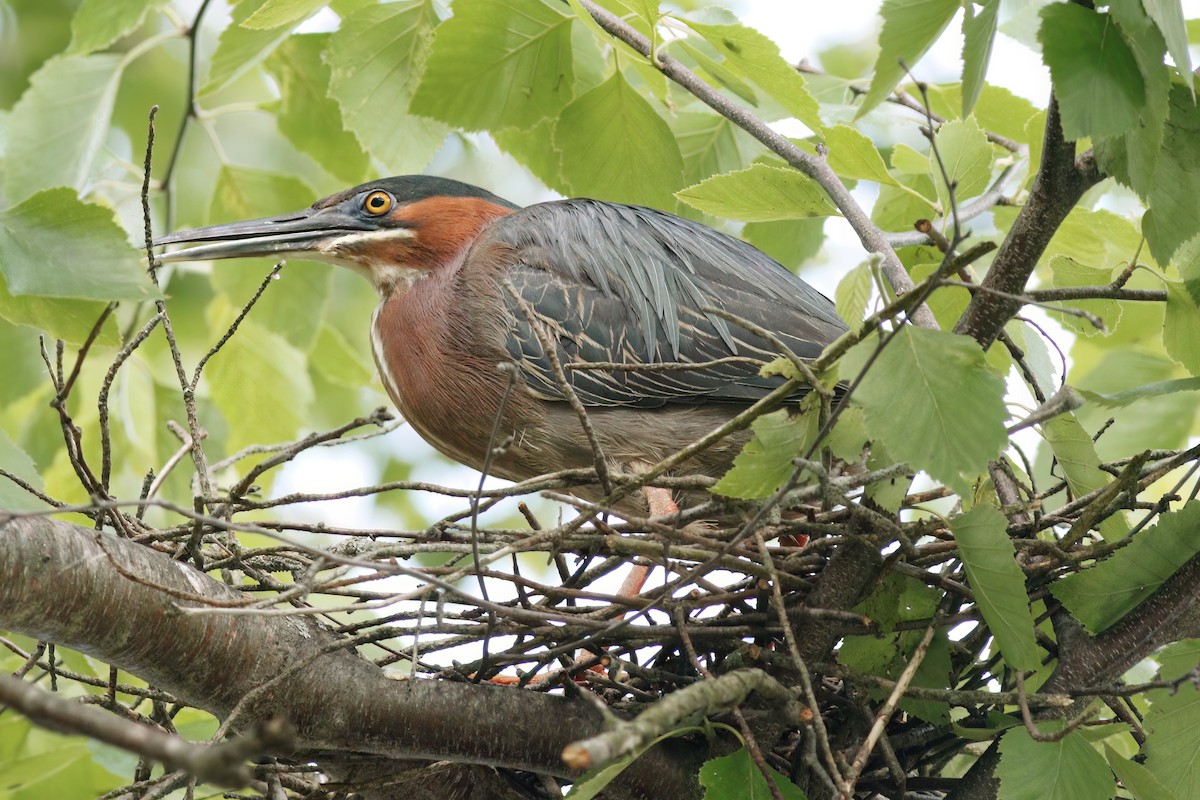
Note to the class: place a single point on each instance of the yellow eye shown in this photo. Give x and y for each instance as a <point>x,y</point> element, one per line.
<point>378,203</point>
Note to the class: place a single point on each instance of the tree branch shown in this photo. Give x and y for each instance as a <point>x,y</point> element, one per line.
<point>59,582</point>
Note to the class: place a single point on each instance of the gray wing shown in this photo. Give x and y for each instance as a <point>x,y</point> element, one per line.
<point>626,284</point>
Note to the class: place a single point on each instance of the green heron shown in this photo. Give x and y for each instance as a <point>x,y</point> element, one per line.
<point>464,278</point>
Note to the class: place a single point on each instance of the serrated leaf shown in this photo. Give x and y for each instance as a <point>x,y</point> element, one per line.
<point>1181,327</point>
<point>292,306</point>
<point>910,27</point>
<point>59,124</point>
<point>616,147</point>
<point>765,463</point>
<point>1101,595</point>
<point>979,32</point>
<point>1168,17</point>
<point>1130,396</point>
<point>909,161</point>
<point>1174,215</point>
<point>498,64</point>
<point>376,59</point>
<point>1137,780</point>
<point>1067,273</point>
<point>17,462</point>
<point>1173,738</point>
<point>853,155</point>
<point>1090,59</point>
<point>853,293</point>
<point>759,193</point>
<point>755,57</point>
<point>1069,769</point>
<point>953,420</point>
<point>240,49</point>
<point>305,113</point>
<point>337,362</point>
<point>277,13</point>
<point>62,318</point>
<point>737,777</point>
<point>55,245</point>
<point>260,384</point>
<point>711,144</point>
<point>1076,455</point>
<point>966,157</point>
<point>998,583</point>
<point>99,23</point>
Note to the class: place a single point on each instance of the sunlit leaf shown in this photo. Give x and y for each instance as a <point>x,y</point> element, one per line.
<point>755,57</point>
<point>377,57</point>
<point>99,23</point>
<point>1101,595</point>
<point>853,155</point>
<point>953,420</point>
<point>276,13</point>
<point>498,64</point>
<point>240,49</point>
<point>56,245</point>
<point>966,158</point>
<point>1065,273</point>
<point>1090,59</point>
<point>305,113</point>
<point>853,294</point>
<point>1069,769</point>
<point>759,193</point>
<point>59,125</point>
<point>711,144</point>
<point>17,462</point>
<point>998,583</point>
<point>616,147</point>
<point>910,27</point>
<point>979,32</point>
<point>1181,328</point>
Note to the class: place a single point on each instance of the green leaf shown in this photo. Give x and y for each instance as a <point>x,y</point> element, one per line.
<point>711,144</point>
<point>765,463</point>
<point>737,777</point>
<point>55,245</point>
<point>853,294</point>
<point>276,13</point>
<point>759,193</point>
<point>337,362</point>
<point>1168,16</point>
<point>910,27</point>
<point>1101,595</point>
<point>243,193</point>
<point>755,57</point>
<point>376,58</point>
<point>1067,273</point>
<point>240,49</point>
<point>1174,215</point>
<point>292,306</point>
<point>616,147</point>
<point>99,23</point>
<point>1089,59</point>
<point>966,157</point>
<point>1076,455</point>
<point>909,161</point>
<point>790,242</point>
<point>1130,396</point>
<point>1181,327</point>
<point>953,405</point>
<point>59,124</point>
<point>1132,156</point>
<point>1173,739</point>
<point>247,379</point>
<point>853,155</point>
<point>305,113</point>
<point>498,64</point>
<point>17,462</point>
<point>1139,781</point>
<point>979,32</point>
<point>1069,769</point>
<point>62,318</point>
<point>998,583</point>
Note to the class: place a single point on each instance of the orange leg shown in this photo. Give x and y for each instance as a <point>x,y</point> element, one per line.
<point>660,503</point>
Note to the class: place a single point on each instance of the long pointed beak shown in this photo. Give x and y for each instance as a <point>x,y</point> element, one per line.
<point>300,232</point>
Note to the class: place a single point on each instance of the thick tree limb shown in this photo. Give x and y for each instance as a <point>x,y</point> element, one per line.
<point>61,582</point>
